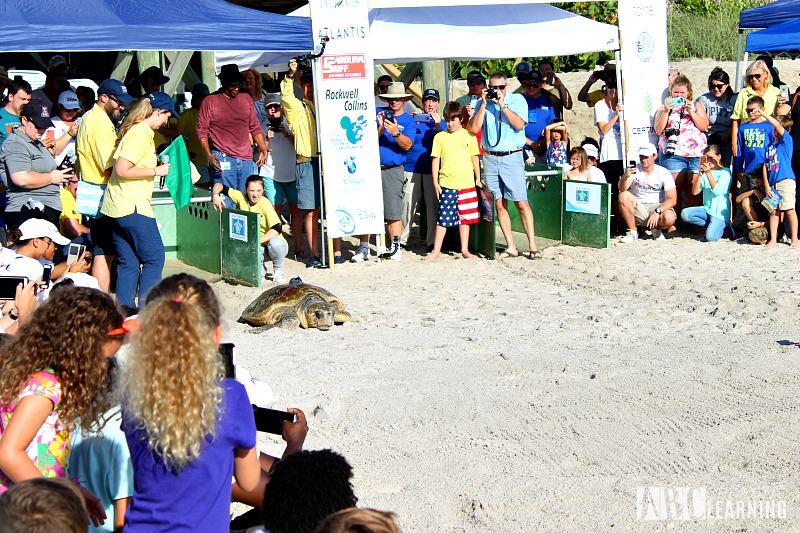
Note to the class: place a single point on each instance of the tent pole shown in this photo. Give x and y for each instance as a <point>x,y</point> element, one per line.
<point>740,81</point>
<point>738,60</point>
<point>621,99</point>
<point>323,234</point>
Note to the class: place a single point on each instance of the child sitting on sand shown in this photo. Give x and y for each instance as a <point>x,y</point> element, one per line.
<point>780,178</point>
<point>757,231</point>
<point>456,173</point>
<point>271,230</point>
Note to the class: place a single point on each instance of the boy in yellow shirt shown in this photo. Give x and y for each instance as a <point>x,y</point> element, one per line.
<point>275,246</point>
<point>456,172</point>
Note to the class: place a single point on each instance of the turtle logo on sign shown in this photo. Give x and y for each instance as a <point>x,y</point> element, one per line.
<point>346,221</point>
<point>645,47</point>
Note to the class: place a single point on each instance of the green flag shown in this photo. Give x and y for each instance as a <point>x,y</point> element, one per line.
<point>179,179</point>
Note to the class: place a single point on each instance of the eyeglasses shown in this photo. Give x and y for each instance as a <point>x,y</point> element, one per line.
<point>752,109</point>
<point>718,86</point>
<point>756,76</point>
<point>116,101</point>
<point>532,84</point>
<point>48,240</point>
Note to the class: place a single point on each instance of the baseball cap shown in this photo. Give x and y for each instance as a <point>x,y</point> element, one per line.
<point>69,100</point>
<point>272,98</point>
<point>161,100</point>
<point>647,149</point>
<point>534,76</point>
<point>36,111</point>
<point>115,88</point>
<point>307,77</point>
<point>37,228</point>
<point>591,150</point>
<point>56,61</point>
<point>430,93</point>
<point>200,89</point>
<point>524,68</point>
<point>477,78</point>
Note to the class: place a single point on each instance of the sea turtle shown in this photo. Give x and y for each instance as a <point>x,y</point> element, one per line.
<point>295,304</point>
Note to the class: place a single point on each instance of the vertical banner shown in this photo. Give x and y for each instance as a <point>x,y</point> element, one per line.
<point>644,58</point>
<point>348,136</point>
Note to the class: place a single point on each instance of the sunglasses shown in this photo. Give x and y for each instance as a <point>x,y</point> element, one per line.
<point>273,106</point>
<point>500,87</point>
<point>718,86</point>
<point>532,84</point>
<point>756,76</point>
<point>752,110</point>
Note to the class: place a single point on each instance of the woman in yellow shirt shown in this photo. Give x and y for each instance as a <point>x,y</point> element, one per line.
<point>127,199</point>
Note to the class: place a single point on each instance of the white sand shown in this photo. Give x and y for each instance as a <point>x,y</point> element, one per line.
<point>538,396</point>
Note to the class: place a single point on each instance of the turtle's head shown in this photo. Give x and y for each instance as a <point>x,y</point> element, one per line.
<point>320,317</point>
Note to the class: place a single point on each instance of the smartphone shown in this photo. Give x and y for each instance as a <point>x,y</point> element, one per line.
<point>75,252</point>
<point>271,420</point>
<point>632,166</point>
<point>422,117</point>
<point>673,70</point>
<point>785,92</point>
<point>550,78</point>
<point>8,286</point>
<point>388,115</point>
<point>703,160</point>
<point>50,134</point>
<point>677,101</point>
<point>227,350</point>
<point>48,271</point>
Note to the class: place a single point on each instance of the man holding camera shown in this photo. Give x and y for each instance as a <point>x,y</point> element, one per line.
<point>647,196</point>
<point>502,117</point>
<point>551,84</point>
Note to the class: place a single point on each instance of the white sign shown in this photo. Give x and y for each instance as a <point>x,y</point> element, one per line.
<point>237,227</point>
<point>644,58</point>
<point>583,197</point>
<point>348,139</point>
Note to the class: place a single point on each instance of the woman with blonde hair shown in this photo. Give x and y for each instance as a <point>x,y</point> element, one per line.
<point>355,520</point>
<point>52,374</point>
<point>253,85</point>
<point>140,250</point>
<point>682,139</point>
<point>758,82</point>
<point>188,428</point>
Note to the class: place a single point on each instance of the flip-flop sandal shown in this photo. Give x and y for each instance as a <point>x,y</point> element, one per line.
<point>534,255</point>
<point>759,235</point>
<point>507,255</point>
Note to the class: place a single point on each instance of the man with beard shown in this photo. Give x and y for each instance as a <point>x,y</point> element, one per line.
<point>95,144</point>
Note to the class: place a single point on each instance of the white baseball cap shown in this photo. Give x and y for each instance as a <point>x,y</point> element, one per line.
<point>36,228</point>
<point>69,100</point>
<point>591,150</point>
<point>647,149</point>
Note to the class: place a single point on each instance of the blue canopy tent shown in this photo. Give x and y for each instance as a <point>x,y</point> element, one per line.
<point>766,16</point>
<point>108,25</point>
<point>782,39</point>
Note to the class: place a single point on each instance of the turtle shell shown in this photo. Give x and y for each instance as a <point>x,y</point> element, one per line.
<point>271,303</point>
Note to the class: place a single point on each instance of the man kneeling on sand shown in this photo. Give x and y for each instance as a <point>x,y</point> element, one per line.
<point>647,196</point>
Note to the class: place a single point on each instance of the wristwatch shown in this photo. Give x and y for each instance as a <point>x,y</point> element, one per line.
<point>396,135</point>
<point>658,210</point>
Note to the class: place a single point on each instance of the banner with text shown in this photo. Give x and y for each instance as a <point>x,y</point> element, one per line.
<point>644,58</point>
<point>348,138</point>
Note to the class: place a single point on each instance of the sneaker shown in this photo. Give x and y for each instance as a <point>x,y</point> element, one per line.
<point>278,276</point>
<point>362,254</point>
<point>658,235</point>
<point>396,256</point>
<point>314,262</point>
<point>394,248</point>
<point>630,236</point>
<point>338,260</point>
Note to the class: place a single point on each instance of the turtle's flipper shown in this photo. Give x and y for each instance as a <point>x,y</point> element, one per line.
<point>288,319</point>
<point>340,317</point>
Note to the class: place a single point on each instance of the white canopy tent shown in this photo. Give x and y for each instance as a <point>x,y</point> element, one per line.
<point>518,28</point>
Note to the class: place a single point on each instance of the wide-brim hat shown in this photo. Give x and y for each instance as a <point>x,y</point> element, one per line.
<point>4,75</point>
<point>229,74</point>
<point>396,90</point>
<point>153,73</point>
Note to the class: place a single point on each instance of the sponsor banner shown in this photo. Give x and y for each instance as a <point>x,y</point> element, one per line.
<point>348,136</point>
<point>583,197</point>
<point>644,58</point>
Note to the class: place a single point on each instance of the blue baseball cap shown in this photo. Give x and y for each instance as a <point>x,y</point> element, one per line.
<point>161,100</point>
<point>430,93</point>
<point>117,89</point>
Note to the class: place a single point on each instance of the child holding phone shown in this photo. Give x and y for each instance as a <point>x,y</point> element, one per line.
<point>49,380</point>
<point>714,182</point>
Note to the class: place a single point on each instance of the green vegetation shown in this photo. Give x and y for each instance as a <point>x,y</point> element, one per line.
<point>718,20</point>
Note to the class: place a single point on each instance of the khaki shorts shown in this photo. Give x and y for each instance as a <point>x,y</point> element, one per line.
<point>786,188</point>
<point>643,211</point>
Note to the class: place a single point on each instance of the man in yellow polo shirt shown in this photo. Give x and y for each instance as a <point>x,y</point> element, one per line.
<point>94,144</point>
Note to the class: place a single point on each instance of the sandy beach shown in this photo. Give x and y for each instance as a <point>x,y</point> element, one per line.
<point>518,395</point>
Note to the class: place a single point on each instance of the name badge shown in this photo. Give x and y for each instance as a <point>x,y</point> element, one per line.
<point>225,165</point>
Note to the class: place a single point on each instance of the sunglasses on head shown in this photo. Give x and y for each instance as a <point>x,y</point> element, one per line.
<point>756,76</point>
<point>718,85</point>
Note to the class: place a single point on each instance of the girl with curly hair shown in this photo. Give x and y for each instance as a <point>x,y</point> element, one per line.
<point>188,428</point>
<point>52,374</point>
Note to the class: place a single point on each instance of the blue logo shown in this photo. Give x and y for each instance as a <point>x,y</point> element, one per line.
<point>346,221</point>
<point>351,164</point>
<point>353,130</point>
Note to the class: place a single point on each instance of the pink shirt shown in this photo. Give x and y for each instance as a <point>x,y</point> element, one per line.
<point>229,122</point>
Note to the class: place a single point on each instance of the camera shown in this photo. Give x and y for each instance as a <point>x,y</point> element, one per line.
<point>67,162</point>
<point>672,140</point>
<point>492,93</point>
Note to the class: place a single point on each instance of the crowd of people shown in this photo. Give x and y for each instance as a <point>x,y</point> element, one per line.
<point>79,170</point>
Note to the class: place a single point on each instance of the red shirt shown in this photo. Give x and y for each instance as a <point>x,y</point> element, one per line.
<point>229,122</point>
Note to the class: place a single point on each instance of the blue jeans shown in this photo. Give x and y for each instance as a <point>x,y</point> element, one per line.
<point>138,243</point>
<point>698,216</point>
<point>235,176</point>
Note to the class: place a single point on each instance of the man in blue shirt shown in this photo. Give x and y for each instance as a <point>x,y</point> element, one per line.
<point>502,120</point>
<point>418,168</point>
<point>396,134</point>
<point>540,115</point>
